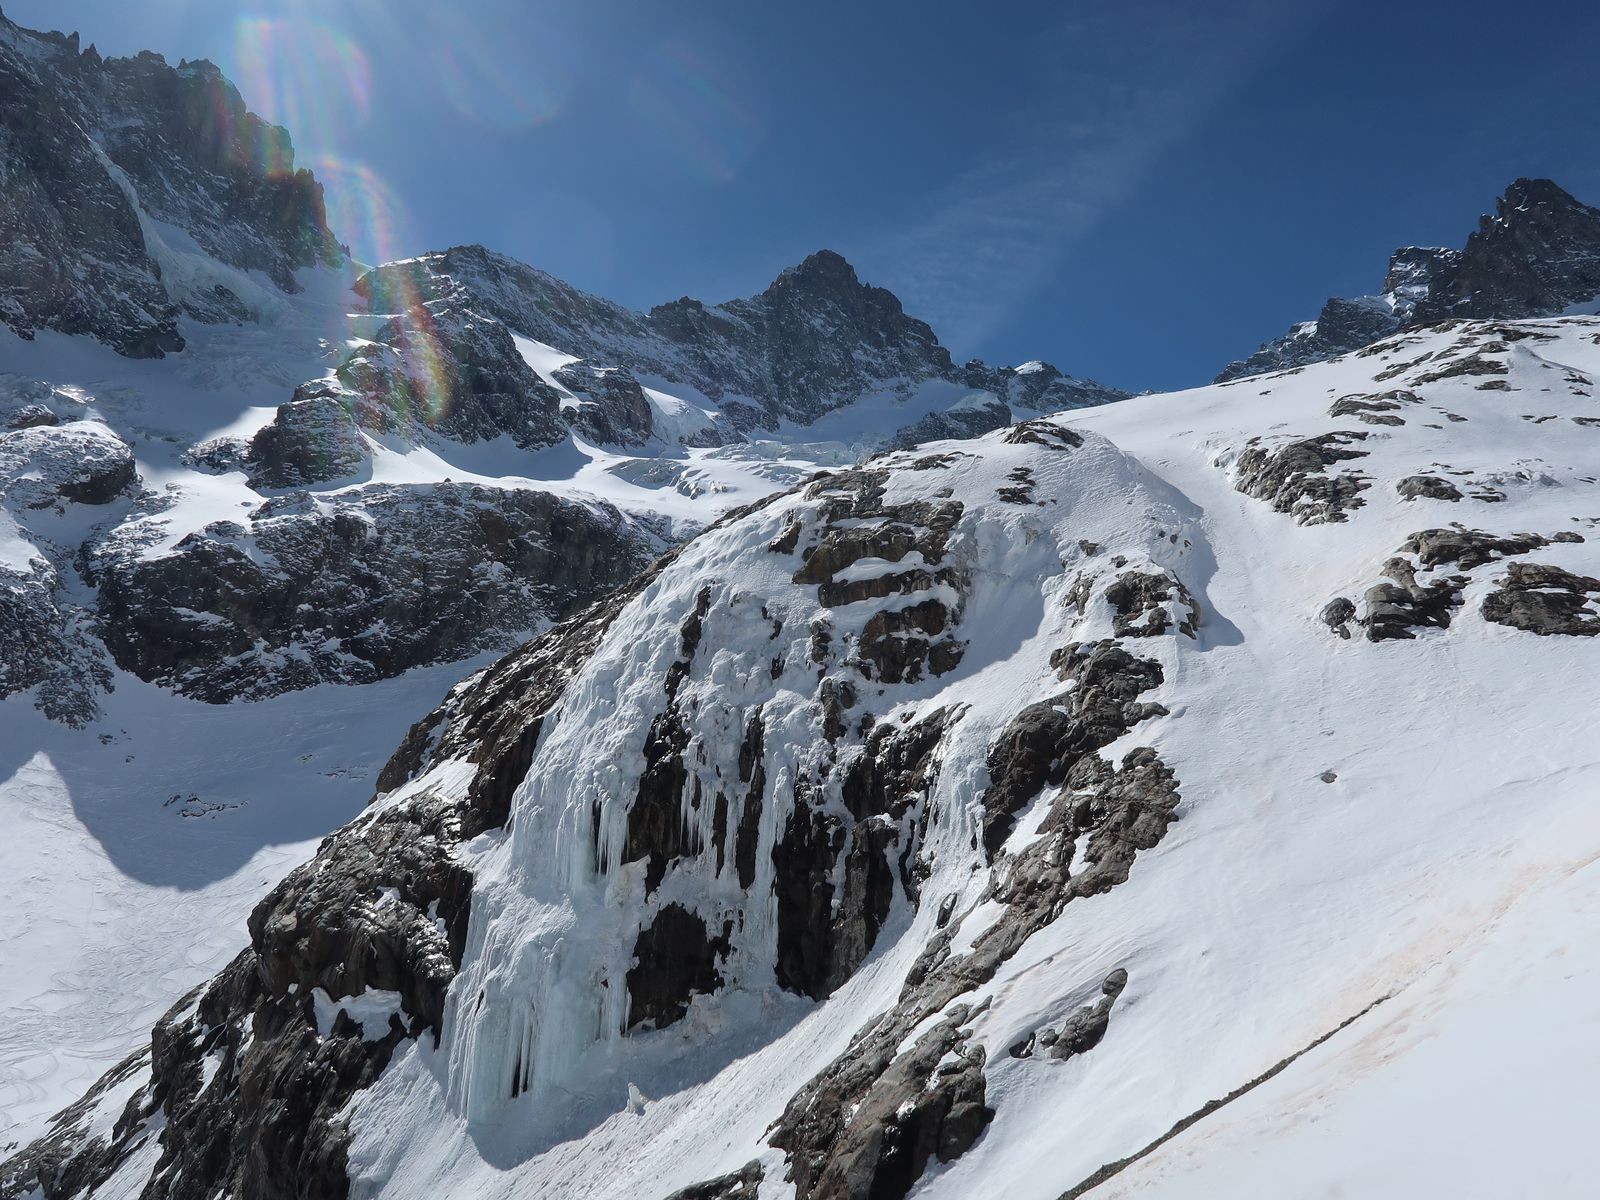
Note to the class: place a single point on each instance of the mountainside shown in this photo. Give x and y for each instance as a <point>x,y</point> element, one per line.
<point>245,520</point>
<point>1021,815</point>
<point>123,177</point>
<point>260,504</point>
<point>461,736</point>
<point>1537,256</point>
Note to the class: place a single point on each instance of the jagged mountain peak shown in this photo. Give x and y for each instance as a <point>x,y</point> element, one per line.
<point>816,340</point>
<point>108,156</point>
<point>1537,254</point>
<point>1524,194</point>
<point>823,271</point>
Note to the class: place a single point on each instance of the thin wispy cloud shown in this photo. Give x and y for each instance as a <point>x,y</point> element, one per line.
<point>1122,84</point>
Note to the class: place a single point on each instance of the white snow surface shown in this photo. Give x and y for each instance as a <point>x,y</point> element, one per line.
<point>119,902</point>
<point>1448,870</point>
<point>1438,893</point>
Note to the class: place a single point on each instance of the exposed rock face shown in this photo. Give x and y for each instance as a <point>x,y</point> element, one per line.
<point>816,339</point>
<point>312,438</point>
<point>380,580</point>
<point>437,363</point>
<point>833,1156</point>
<point>1294,478</point>
<point>1394,610</point>
<point>1144,603</point>
<point>51,465</point>
<point>1049,739</point>
<point>924,1104</point>
<point>44,646</point>
<point>955,423</point>
<point>1429,487</point>
<point>1381,409</point>
<point>1417,594</point>
<point>1538,255</point>
<point>617,412</point>
<point>380,914</point>
<point>94,145</point>
<point>1545,600</point>
<point>743,1184</point>
<point>675,959</point>
<point>1341,326</point>
<point>1080,1032</point>
<point>435,367</point>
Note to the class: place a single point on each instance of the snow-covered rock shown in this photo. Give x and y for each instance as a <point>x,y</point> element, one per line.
<point>1537,256</point>
<point>816,341</point>
<point>1004,814</point>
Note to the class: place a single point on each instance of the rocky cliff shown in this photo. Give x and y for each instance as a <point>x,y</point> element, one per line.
<point>98,154</point>
<point>1537,255</point>
<point>815,341</point>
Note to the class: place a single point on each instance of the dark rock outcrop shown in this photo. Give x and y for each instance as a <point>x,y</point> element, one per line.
<point>1047,740</point>
<point>1469,548</point>
<point>616,412</point>
<point>92,142</point>
<point>743,1184</point>
<point>48,466</point>
<point>1416,594</point>
<point>1545,600</point>
<point>904,642</point>
<point>382,580</point>
<point>311,439</point>
<point>1538,255</point>
<point>924,1104</point>
<point>1380,409</point>
<point>44,647</point>
<point>1294,478</point>
<point>835,1155</point>
<point>1141,600</point>
<point>1429,487</point>
<point>674,959</point>
<point>1080,1032</point>
<point>1341,326</point>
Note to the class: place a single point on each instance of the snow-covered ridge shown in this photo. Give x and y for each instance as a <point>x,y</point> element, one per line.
<point>1537,255</point>
<point>972,820</point>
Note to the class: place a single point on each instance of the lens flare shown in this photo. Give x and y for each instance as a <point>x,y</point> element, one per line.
<point>362,209</point>
<point>483,84</point>
<point>419,381</point>
<point>700,105</point>
<point>305,76</point>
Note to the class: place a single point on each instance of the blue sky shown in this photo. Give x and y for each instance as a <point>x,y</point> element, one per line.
<point>1136,191</point>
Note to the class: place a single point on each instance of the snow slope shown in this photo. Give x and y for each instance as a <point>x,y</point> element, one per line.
<point>134,850</point>
<point>1459,818</point>
<point>224,387</point>
<point>1363,932</point>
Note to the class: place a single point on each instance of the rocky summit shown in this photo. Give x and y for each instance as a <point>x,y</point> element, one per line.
<point>462,736</point>
<point>1538,255</point>
<point>102,155</point>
